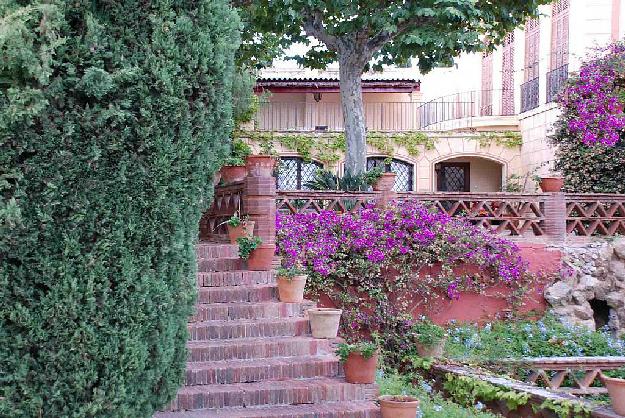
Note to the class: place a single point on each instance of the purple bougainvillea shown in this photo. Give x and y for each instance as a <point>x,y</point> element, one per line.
<point>405,236</point>
<point>593,101</point>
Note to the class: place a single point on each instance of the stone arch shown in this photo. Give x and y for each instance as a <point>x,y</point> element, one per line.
<point>466,147</point>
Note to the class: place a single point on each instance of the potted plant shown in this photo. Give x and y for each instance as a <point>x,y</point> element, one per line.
<point>324,322</point>
<point>259,257</point>
<point>393,406</point>
<point>260,165</point>
<point>360,361</point>
<point>616,389</point>
<point>291,283</point>
<point>381,181</point>
<point>551,184</point>
<point>430,339</point>
<point>234,169</point>
<point>238,227</point>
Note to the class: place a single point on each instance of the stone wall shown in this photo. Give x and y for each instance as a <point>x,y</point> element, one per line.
<point>591,289</point>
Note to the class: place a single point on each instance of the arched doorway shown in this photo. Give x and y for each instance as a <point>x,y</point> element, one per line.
<point>468,174</point>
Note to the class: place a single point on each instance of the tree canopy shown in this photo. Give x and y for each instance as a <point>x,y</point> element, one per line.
<point>363,34</point>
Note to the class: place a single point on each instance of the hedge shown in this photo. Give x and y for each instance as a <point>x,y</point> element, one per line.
<point>113,117</point>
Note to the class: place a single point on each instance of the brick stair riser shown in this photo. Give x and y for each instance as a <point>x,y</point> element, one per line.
<point>258,350</point>
<point>207,251</point>
<point>235,278</point>
<point>275,393</point>
<point>352,409</point>
<point>202,332</point>
<point>220,264</point>
<point>223,311</point>
<point>238,294</point>
<point>259,372</point>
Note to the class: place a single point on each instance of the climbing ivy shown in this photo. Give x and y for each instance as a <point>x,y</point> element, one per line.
<point>411,141</point>
<point>506,139</point>
<point>467,390</point>
<point>328,147</point>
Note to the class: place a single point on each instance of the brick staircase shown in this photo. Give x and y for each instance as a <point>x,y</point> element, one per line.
<point>253,356</point>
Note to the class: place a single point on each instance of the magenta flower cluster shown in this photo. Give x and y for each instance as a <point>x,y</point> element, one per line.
<point>593,103</point>
<point>404,234</point>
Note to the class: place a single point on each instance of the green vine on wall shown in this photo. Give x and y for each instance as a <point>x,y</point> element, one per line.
<point>328,147</point>
<point>508,139</point>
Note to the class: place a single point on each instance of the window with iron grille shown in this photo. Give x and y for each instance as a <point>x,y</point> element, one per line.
<point>507,71</point>
<point>294,173</point>
<point>404,171</point>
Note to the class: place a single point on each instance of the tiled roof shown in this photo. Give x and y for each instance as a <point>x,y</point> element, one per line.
<point>299,74</point>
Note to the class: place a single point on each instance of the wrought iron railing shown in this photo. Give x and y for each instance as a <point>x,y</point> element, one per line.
<point>530,95</point>
<point>556,80</point>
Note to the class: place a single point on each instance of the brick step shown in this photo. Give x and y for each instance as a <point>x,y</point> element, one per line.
<point>233,294</point>
<point>257,348</point>
<point>205,265</point>
<point>243,371</point>
<point>361,409</point>
<point>234,311</point>
<point>266,393</point>
<point>215,250</point>
<point>220,330</point>
<point>235,278</point>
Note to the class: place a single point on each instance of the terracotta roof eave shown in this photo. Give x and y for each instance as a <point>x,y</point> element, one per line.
<point>334,83</point>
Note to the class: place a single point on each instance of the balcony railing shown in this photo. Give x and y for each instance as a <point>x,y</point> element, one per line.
<point>556,80</point>
<point>530,95</point>
<point>382,116</point>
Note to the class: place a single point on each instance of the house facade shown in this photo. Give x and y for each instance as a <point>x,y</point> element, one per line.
<point>479,126</point>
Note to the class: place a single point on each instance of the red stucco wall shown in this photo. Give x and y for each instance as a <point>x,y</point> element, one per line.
<point>473,307</point>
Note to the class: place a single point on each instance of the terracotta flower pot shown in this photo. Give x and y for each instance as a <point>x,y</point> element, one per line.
<point>261,258</point>
<point>385,183</point>
<point>233,173</point>
<point>359,369</point>
<point>616,389</point>
<point>291,290</point>
<point>324,322</point>
<point>260,165</point>
<point>431,350</point>
<point>245,229</point>
<point>398,406</point>
<point>551,184</point>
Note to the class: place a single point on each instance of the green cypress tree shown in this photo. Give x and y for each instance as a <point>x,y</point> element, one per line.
<point>113,116</point>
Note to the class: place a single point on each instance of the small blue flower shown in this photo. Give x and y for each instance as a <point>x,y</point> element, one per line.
<point>437,408</point>
<point>426,387</point>
<point>479,406</point>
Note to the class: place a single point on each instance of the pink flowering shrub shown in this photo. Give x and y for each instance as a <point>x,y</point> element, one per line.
<point>588,136</point>
<point>366,261</point>
<point>594,100</point>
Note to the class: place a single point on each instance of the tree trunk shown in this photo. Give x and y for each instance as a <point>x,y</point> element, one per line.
<point>350,72</point>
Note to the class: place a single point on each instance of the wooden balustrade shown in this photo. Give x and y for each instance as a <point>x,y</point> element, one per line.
<point>550,216</point>
<point>595,214</point>
<point>227,200</point>
<point>555,372</point>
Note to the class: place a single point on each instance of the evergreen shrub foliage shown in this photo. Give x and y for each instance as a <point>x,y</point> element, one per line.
<point>113,116</point>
